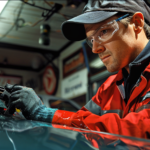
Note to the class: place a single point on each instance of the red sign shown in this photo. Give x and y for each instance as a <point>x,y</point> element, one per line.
<point>49,81</point>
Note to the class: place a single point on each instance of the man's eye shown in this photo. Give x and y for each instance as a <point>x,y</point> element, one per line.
<point>103,32</point>
<point>92,40</point>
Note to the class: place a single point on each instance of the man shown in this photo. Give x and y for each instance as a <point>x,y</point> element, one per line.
<point>118,32</point>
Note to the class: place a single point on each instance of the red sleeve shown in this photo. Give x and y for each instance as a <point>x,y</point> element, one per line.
<point>134,124</point>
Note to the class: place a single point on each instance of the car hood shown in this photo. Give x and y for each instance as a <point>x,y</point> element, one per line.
<point>21,134</point>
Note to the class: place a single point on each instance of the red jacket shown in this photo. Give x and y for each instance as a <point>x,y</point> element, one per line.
<point>108,112</point>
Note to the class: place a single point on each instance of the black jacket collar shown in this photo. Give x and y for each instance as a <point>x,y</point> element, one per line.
<point>136,68</point>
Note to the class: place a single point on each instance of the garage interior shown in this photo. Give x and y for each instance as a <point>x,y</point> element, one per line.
<point>31,40</point>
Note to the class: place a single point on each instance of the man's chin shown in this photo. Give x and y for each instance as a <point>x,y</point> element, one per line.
<point>112,69</point>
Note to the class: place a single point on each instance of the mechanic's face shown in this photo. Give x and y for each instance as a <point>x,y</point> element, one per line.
<point>120,50</point>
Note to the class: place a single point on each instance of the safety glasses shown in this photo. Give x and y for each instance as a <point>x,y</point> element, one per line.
<point>105,32</point>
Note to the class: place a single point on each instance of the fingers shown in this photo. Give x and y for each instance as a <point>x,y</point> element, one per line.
<point>8,87</point>
<point>12,107</point>
<point>14,102</point>
<point>16,88</point>
<point>14,96</point>
<point>11,88</point>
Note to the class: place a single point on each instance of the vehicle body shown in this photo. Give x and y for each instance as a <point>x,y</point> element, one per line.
<point>21,134</point>
<point>17,133</point>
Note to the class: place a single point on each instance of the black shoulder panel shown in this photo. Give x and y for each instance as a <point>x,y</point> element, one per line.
<point>93,107</point>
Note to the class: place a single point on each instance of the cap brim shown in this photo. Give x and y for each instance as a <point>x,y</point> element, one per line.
<point>74,30</point>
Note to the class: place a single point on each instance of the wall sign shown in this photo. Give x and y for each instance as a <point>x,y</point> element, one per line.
<point>10,79</point>
<point>75,84</point>
<point>73,63</point>
<point>49,81</point>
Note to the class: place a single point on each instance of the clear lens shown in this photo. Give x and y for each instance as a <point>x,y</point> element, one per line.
<point>89,42</point>
<point>104,33</point>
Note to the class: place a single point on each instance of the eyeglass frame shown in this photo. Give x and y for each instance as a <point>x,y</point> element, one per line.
<point>120,18</point>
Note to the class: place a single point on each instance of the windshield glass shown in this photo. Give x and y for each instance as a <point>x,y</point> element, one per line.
<point>41,135</point>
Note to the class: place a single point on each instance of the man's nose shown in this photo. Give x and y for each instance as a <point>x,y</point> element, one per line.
<point>97,47</point>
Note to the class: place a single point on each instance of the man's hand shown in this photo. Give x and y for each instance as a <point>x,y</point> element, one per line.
<point>22,98</point>
<point>28,102</point>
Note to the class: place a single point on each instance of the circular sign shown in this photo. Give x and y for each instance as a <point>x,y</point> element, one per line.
<point>49,81</point>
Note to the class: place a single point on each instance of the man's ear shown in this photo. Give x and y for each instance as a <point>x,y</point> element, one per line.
<point>138,22</point>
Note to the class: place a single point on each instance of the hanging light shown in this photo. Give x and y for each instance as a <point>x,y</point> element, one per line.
<point>45,33</point>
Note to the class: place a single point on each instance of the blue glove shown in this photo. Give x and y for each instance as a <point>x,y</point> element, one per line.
<point>29,103</point>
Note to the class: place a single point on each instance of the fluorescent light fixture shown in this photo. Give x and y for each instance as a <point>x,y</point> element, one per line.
<point>3,4</point>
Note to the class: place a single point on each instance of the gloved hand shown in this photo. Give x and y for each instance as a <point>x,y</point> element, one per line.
<point>29,103</point>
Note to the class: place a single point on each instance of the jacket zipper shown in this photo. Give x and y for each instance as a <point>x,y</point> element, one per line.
<point>136,85</point>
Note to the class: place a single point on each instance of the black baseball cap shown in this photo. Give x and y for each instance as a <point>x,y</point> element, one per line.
<point>99,10</point>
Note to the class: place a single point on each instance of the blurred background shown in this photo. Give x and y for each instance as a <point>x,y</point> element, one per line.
<point>34,53</point>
